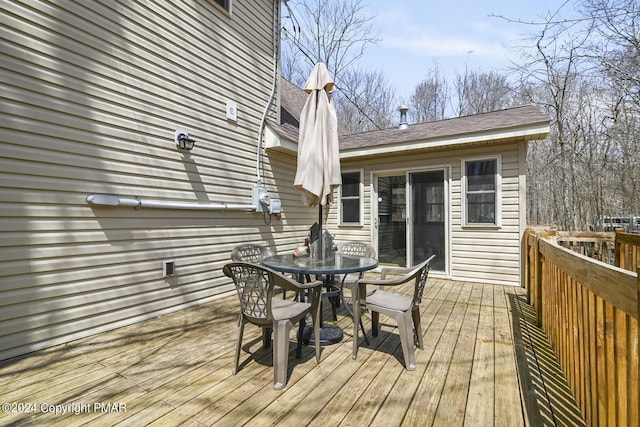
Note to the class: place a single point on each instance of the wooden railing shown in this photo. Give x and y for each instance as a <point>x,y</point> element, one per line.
<point>621,249</point>
<point>600,246</point>
<point>627,250</point>
<point>589,311</point>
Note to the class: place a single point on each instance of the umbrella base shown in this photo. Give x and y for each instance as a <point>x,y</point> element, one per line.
<point>329,334</point>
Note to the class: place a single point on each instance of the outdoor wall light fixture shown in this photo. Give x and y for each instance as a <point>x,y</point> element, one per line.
<point>183,141</point>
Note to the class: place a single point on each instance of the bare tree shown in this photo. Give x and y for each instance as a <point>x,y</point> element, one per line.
<point>617,50</point>
<point>293,69</point>
<point>430,98</point>
<point>366,101</point>
<point>616,45</point>
<point>331,31</point>
<point>585,74</point>
<point>482,92</point>
<point>337,33</point>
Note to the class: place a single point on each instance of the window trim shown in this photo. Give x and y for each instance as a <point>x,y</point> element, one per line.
<point>498,192</point>
<point>360,221</point>
<point>225,7</point>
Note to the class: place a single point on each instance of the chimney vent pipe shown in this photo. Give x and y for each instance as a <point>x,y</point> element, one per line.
<point>403,117</point>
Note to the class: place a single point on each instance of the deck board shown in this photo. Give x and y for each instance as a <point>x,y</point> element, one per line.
<point>456,388</point>
<point>479,348</point>
<point>508,407</point>
<point>480,401</point>
<point>427,402</point>
<point>433,325</point>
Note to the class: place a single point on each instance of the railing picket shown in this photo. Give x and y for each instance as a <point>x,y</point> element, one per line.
<point>611,366</point>
<point>601,364</point>
<point>593,357</point>
<point>578,356</point>
<point>621,344</point>
<point>634,392</point>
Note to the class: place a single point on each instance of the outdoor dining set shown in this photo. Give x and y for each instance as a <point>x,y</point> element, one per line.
<point>261,276</point>
<point>258,273</point>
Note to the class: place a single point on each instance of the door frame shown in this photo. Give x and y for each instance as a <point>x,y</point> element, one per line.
<point>375,174</point>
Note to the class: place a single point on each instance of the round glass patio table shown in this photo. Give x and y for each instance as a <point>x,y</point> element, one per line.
<point>304,266</point>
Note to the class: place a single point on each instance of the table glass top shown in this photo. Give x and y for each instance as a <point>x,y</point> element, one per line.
<point>305,265</point>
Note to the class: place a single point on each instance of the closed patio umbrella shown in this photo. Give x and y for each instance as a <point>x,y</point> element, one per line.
<point>318,168</point>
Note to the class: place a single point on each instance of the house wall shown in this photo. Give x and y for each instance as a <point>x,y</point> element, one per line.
<point>483,254</point>
<point>92,94</point>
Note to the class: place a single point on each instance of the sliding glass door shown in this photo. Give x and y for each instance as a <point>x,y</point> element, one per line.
<point>428,218</point>
<point>392,220</point>
<point>412,218</point>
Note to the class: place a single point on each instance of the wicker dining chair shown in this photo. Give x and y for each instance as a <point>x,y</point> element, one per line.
<point>404,310</point>
<point>254,285</point>
<point>348,281</point>
<point>250,252</point>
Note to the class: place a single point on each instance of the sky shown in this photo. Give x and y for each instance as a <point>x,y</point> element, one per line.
<point>454,34</point>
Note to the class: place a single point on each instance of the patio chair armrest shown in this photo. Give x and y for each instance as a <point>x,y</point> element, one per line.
<point>289,284</point>
<point>393,270</point>
<point>385,282</point>
<point>305,286</point>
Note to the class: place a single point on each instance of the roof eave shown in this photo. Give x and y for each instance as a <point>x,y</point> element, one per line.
<point>535,131</point>
<point>277,141</point>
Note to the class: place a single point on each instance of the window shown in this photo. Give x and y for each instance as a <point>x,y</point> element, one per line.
<point>225,4</point>
<point>481,191</point>
<point>351,198</point>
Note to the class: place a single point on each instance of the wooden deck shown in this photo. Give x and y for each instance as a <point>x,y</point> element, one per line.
<point>484,364</point>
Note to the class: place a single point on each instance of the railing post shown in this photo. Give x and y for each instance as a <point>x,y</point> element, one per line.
<point>636,411</point>
<point>538,283</point>
<point>526,268</point>
<point>617,248</point>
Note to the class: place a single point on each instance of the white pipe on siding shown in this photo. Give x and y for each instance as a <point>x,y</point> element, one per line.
<point>109,200</point>
<point>263,121</point>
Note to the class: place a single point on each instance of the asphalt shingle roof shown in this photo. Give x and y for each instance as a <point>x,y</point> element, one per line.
<point>493,121</point>
<point>293,99</point>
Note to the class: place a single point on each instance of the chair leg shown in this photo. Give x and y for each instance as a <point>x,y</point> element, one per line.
<point>375,318</point>
<point>301,326</point>
<point>266,336</point>
<point>236,360</point>
<point>334,308</point>
<point>316,315</point>
<point>350,310</point>
<point>316,333</point>
<point>417,327</point>
<point>332,294</point>
<point>281,353</point>
<point>405,329</point>
<point>363,332</point>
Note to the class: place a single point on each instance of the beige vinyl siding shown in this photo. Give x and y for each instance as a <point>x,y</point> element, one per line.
<point>92,95</point>
<point>490,254</point>
<point>349,232</point>
<point>486,254</point>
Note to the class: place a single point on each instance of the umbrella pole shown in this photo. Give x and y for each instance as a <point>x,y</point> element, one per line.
<point>320,237</point>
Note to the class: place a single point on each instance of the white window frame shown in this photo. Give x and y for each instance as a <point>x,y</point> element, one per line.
<point>226,6</point>
<point>498,192</point>
<point>360,221</point>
